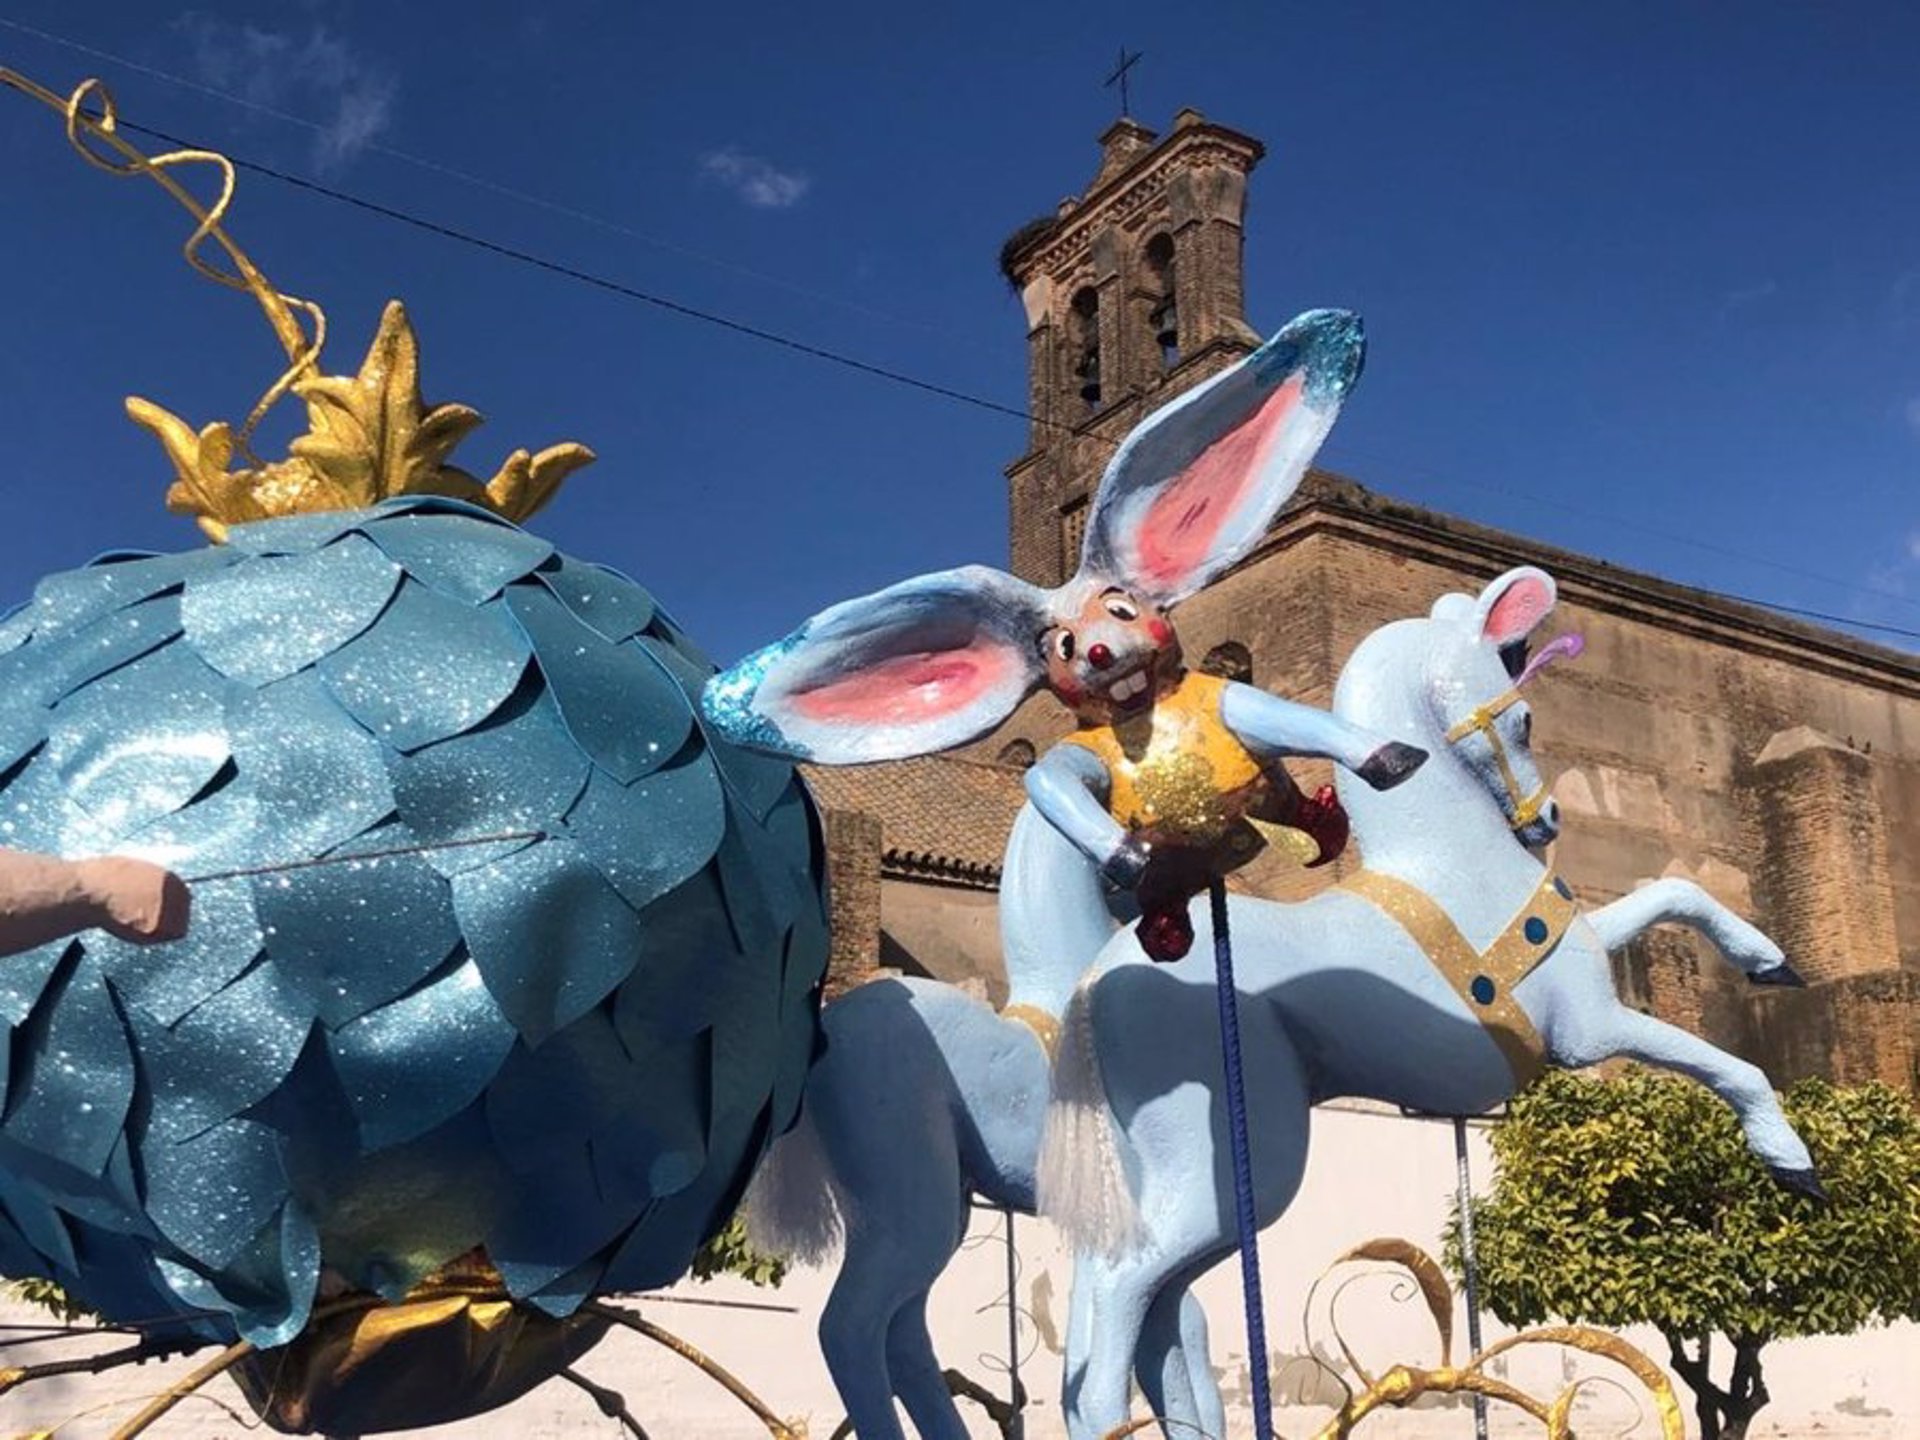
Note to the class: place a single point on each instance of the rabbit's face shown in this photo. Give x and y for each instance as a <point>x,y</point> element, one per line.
<point>1110,654</point>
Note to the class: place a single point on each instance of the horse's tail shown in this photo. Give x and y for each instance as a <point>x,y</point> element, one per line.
<point>1053,907</point>
<point>792,1210</point>
<point>1081,1180</point>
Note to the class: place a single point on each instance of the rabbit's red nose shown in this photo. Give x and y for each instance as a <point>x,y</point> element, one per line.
<point>1099,656</point>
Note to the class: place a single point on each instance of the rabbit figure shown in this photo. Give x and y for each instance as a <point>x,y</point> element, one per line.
<point>1160,784</point>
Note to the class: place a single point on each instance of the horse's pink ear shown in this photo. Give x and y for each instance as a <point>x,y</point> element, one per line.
<point>923,666</point>
<point>1513,606</point>
<point>1198,482</point>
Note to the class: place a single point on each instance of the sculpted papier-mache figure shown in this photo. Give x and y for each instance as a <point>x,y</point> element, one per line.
<point>43,898</point>
<point>1169,769</point>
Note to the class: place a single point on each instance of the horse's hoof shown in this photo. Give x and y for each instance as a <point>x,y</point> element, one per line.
<point>1390,764</point>
<point>1806,1182</point>
<point>1781,974</point>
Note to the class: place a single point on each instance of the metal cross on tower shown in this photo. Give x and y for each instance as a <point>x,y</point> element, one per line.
<point>1119,77</point>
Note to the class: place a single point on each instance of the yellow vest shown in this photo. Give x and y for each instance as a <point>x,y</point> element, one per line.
<point>1179,775</point>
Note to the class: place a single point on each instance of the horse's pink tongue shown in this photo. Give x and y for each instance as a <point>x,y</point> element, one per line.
<point>1561,647</point>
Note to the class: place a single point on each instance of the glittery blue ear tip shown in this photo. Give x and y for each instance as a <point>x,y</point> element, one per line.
<point>729,701</point>
<point>1330,345</point>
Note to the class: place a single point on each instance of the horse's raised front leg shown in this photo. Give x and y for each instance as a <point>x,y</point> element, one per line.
<point>1745,1087</point>
<point>1115,1294</point>
<point>1686,903</point>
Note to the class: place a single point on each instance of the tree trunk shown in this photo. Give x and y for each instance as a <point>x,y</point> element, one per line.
<point>1724,1414</point>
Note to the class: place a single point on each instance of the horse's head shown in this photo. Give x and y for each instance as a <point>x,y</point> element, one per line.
<point>1476,664</point>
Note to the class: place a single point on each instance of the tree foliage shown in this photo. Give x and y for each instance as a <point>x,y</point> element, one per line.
<point>1635,1201</point>
<point>728,1253</point>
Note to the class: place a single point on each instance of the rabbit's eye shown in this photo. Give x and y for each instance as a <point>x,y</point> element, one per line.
<point>1063,644</point>
<point>1122,608</point>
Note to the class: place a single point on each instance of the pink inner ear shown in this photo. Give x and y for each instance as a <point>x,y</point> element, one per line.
<point>1521,606</point>
<point>1182,524</point>
<point>910,688</point>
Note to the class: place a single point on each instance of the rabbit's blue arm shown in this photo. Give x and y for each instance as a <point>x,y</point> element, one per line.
<point>1069,786</point>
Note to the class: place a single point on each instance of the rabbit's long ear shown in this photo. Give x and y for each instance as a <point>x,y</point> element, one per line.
<point>1195,486</point>
<point>922,666</point>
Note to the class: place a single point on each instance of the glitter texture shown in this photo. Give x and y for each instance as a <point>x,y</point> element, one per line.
<point>260,621</point>
<point>566,1050</point>
<point>396,680</point>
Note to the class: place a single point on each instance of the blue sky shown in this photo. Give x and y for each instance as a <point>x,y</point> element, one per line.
<point>1642,280</point>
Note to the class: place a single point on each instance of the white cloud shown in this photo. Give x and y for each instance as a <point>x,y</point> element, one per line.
<point>315,78</point>
<point>757,182</point>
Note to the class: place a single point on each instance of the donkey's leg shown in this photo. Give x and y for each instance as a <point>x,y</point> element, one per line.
<point>1620,1031</point>
<point>1118,1292</point>
<point>1685,903</point>
<point>1173,1365</point>
<point>917,1377</point>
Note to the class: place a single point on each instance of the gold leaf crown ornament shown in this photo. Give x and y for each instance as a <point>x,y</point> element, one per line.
<point>369,436</point>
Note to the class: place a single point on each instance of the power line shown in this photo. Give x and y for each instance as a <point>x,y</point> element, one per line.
<point>466,177</point>
<point>587,277</point>
<point>849,362</point>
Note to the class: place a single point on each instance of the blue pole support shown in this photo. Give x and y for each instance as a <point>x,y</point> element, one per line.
<point>1242,1163</point>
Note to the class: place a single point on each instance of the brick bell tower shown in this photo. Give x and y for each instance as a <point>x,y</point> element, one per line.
<point>1133,294</point>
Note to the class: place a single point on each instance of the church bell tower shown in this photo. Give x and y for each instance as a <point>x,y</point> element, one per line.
<point>1133,294</point>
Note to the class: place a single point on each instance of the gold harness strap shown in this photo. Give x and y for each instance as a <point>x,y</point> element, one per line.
<point>1526,808</point>
<point>1484,980</point>
<point>1044,1026</point>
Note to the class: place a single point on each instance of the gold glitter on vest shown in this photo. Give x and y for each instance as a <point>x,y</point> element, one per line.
<point>1179,775</point>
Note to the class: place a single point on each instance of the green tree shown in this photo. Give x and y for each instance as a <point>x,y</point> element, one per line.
<point>728,1253</point>
<point>1635,1201</point>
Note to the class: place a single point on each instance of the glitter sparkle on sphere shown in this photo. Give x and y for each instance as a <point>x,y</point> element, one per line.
<point>565,1046</point>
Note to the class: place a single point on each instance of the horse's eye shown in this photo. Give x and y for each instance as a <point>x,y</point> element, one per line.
<point>1514,658</point>
<point>1122,608</point>
<point>1063,644</point>
<point>1526,727</point>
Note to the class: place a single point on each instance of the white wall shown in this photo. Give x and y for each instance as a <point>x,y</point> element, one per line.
<point>1370,1175</point>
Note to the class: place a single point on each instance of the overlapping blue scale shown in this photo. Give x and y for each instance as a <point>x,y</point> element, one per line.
<point>211,1194</point>
<point>224,1055</point>
<point>16,629</point>
<point>267,1288</point>
<point>519,771</point>
<point>293,534</point>
<point>552,1097</point>
<point>623,709</point>
<point>347,938</point>
<point>168,980</point>
<point>317,779</point>
<point>397,680</point>
<point>547,900</point>
<point>24,977</point>
<point>648,837</point>
<point>74,598</point>
<point>464,555</point>
<point>689,967</point>
<point>49,669</point>
<point>422,1059</point>
<point>605,602</point>
<point>36,814</point>
<point>656,1144</point>
<point>141,742</point>
<point>265,619</point>
<point>23,721</point>
<point>75,1074</point>
<point>37,1221</point>
<point>562,1219</point>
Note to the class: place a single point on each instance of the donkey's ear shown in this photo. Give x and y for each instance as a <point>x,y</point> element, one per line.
<point>1512,607</point>
<point>1195,486</point>
<point>925,665</point>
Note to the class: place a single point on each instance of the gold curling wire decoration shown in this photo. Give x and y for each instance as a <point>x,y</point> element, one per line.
<point>370,436</point>
<point>1401,1385</point>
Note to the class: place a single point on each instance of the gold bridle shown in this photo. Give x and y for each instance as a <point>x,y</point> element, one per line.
<point>1479,721</point>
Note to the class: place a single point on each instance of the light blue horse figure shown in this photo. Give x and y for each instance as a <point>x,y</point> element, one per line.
<point>923,1095</point>
<point>1441,977</point>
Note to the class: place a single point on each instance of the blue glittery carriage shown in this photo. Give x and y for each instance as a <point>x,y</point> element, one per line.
<point>503,968</point>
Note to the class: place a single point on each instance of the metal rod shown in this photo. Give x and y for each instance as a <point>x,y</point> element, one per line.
<point>1242,1163</point>
<point>1017,1427</point>
<point>1469,1263</point>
